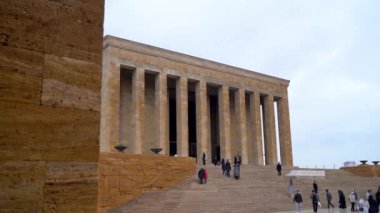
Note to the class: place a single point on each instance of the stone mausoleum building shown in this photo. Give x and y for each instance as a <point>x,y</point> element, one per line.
<point>156,98</point>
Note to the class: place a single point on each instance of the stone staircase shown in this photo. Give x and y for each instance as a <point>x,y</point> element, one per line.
<point>258,190</point>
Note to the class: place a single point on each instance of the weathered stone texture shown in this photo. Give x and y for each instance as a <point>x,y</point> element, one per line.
<point>70,187</point>
<point>364,170</point>
<point>64,28</point>
<point>151,130</point>
<point>182,117</point>
<point>36,186</point>
<point>38,133</point>
<point>269,131</point>
<point>71,83</point>
<point>50,61</point>
<point>125,176</point>
<point>20,75</point>
<point>234,125</point>
<point>21,184</point>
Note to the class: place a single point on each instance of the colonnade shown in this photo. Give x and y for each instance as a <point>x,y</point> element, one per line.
<point>258,148</point>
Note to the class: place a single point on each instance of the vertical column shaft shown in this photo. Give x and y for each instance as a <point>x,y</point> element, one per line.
<point>284,131</point>
<point>242,120</point>
<point>162,112</point>
<point>224,122</point>
<point>257,140</point>
<point>270,131</point>
<point>182,117</point>
<point>110,101</point>
<point>138,99</point>
<point>201,120</point>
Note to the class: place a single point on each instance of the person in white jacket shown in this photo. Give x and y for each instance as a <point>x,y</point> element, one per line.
<point>363,205</point>
<point>352,200</point>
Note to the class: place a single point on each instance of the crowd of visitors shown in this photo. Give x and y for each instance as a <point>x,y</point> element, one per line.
<point>368,203</point>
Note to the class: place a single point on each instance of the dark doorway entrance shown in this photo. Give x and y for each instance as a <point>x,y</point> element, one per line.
<point>214,127</point>
<point>172,117</point>
<point>192,124</point>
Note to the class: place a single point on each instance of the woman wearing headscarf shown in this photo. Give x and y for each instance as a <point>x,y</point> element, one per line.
<point>373,207</point>
<point>342,200</point>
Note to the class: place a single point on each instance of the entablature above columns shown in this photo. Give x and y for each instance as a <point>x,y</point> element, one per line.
<point>171,73</point>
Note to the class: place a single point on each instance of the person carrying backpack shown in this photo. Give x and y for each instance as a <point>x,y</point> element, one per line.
<point>315,200</point>
<point>298,201</point>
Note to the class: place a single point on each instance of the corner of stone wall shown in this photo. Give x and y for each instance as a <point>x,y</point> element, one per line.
<point>50,74</point>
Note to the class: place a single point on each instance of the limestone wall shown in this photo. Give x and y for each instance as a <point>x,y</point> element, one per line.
<point>50,77</point>
<point>364,170</point>
<point>123,176</point>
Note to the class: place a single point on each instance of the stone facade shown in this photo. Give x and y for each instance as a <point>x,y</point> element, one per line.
<point>155,98</point>
<point>50,78</point>
<point>123,177</point>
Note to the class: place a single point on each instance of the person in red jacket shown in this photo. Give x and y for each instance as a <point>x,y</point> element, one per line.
<point>205,175</point>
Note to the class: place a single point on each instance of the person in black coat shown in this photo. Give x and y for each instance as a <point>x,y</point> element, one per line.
<point>315,187</point>
<point>315,200</point>
<point>377,195</point>
<point>223,166</point>
<point>201,175</point>
<point>298,201</point>
<point>204,159</point>
<point>373,206</point>
<point>279,168</point>
<point>342,200</point>
<point>228,168</point>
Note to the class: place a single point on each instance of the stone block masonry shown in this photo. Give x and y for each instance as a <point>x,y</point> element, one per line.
<point>50,78</point>
<point>123,177</point>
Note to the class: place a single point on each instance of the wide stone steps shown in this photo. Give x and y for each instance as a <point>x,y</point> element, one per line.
<point>258,190</point>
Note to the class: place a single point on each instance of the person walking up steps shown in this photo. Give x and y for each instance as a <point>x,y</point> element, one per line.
<point>352,199</point>
<point>204,159</point>
<point>342,200</point>
<point>329,199</point>
<point>223,167</point>
<point>201,175</point>
<point>279,168</point>
<point>228,168</point>
<point>298,201</point>
<point>290,187</point>
<point>236,171</point>
<point>315,200</point>
<point>315,187</point>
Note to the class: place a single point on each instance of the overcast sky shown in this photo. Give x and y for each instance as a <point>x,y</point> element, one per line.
<point>329,50</point>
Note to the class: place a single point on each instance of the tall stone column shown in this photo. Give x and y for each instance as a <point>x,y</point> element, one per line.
<point>110,101</point>
<point>182,117</point>
<point>201,120</point>
<point>242,120</point>
<point>138,101</point>
<point>162,112</point>
<point>257,140</point>
<point>270,131</point>
<point>224,122</point>
<point>284,131</point>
